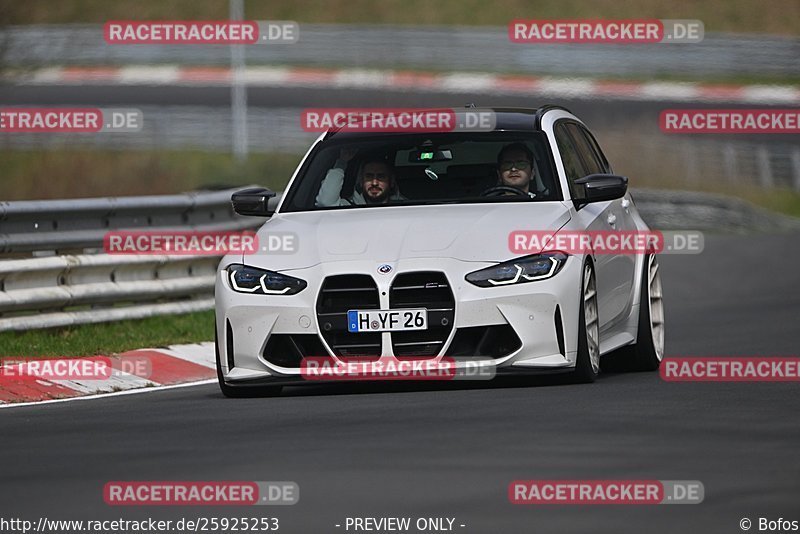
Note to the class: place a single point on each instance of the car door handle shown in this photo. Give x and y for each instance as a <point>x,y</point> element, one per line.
<point>626,203</point>
<point>612,219</point>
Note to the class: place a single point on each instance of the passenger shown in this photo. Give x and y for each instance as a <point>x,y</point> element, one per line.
<point>375,182</point>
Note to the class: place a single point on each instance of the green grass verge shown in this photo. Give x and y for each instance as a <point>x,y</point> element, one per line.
<point>109,338</point>
<point>778,200</point>
<point>776,16</point>
<point>64,173</point>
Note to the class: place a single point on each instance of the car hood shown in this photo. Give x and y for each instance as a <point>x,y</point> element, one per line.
<point>467,232</point>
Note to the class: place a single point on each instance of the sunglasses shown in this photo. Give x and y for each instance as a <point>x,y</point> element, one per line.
<point>521,165</point>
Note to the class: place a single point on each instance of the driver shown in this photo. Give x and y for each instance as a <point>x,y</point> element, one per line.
<point>515,167</point>
<point>375,182</point>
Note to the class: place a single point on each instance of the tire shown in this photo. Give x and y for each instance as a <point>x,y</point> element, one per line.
<point>242,391</point>
<point>648,351</point>
<point>587,365</point>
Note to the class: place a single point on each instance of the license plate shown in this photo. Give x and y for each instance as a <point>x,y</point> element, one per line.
<point>387,320</point>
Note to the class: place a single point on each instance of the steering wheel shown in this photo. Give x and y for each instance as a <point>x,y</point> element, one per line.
<point>500,190</point>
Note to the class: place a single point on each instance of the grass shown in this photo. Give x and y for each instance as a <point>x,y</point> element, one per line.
<point>782,201</point>
<point>30,174</point>
<point>109,338</point>
<point>748,16</point>
<point>777,200</point>
<point>655,160</point>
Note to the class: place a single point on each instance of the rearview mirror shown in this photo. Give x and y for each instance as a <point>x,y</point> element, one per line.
<point>601,187</point>
<point>429,156</point>
<point>253,201</point>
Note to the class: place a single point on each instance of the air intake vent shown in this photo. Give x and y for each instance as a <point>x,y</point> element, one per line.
<point>559,331</point>
<point>288,350</point>
<point>429,290</point>
<point>494,341</point>
<point>229,344</point>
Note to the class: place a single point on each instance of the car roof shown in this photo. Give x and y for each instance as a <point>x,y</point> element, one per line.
<point>506,119</point>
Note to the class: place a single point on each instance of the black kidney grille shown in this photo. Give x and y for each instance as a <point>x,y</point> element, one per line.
<point>430,290</point>
<point>338,294</point>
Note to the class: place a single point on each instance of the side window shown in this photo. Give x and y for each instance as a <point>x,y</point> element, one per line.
<point>597,150</point>
<point>591,161</point>
<point>569,157</point>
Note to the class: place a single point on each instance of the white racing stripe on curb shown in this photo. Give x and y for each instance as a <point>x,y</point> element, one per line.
<point>267,76</point>
<point>671,91</point>
<point>118,380</point>
<point>566,87</point>
<point>770,95</point>
<point>455,82</point>
<point>149,75</point>
<point>199,353</point>
<point>466,82</point>
<point>361,78</point>
<point>8,405</point>
<point>49,75</point>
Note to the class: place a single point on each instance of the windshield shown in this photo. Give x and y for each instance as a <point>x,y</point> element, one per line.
<point>350,171</point>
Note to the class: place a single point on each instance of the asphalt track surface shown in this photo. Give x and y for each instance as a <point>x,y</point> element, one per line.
<point>641,116</point>
<point>452,450</point>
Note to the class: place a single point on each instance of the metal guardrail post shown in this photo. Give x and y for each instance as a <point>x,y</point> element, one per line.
<point>796,169</point>
<point>764,167</point>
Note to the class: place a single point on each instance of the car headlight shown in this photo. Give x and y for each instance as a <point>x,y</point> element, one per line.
<point>519,271</point>
<point>246,279</point>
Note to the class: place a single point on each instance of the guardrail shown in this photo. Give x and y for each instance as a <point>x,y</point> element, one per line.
<point>67,290</point>
<point>53,272</point>
<point>55,226</point>
<point>434,47</point>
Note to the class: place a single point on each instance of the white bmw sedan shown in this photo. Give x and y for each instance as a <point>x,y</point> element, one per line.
<point>514,245</point>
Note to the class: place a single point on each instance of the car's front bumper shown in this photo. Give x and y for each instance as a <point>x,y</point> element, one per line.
<point>543,315</point>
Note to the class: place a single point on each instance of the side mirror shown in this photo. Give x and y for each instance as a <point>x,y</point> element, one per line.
<point>601,187</point>
<point>253,201</point>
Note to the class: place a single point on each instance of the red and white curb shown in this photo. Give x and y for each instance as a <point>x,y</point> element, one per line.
<point>453,82</point>
<point>177,364</point>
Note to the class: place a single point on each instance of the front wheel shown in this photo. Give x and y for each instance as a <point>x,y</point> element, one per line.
<point>648,351</point>
<point>587,365</point>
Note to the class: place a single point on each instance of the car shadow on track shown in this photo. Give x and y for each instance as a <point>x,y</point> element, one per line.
<point>407,386</point>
